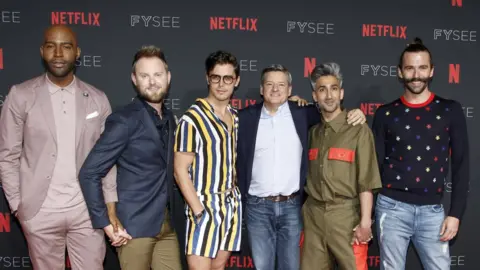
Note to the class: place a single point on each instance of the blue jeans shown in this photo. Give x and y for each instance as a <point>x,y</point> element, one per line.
<point>274,230</point>
<point>398,223</point>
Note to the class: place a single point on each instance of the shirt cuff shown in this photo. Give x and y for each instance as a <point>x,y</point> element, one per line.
<point>456,213</point>
<point>100,222</point>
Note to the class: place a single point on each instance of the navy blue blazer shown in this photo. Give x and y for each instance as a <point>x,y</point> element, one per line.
<point>303,117</point>
<point>132,142</point>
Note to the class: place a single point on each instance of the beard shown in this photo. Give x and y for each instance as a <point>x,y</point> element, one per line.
<point>152,94</point>
<point>417,90</point>
<point>59,72</point>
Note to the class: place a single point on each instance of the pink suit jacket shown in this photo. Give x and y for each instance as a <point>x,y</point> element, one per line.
<point>28,141</point>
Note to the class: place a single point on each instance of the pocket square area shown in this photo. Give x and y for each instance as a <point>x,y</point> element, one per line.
<point>92,115</point>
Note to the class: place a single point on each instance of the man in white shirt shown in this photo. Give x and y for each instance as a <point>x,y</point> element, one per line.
<point>271,169</point>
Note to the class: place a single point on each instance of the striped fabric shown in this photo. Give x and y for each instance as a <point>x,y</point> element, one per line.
<point>201,132</point>
<point>219,228</point>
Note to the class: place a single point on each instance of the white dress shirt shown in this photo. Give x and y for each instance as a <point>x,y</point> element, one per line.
<point>278,155</point>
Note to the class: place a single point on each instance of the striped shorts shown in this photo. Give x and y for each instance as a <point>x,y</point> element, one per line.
<point>220,227</point>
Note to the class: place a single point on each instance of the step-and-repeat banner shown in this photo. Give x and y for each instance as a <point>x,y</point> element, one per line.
<point>364,36</point>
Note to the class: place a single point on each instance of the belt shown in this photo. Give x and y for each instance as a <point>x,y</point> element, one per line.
<point>281,198</point>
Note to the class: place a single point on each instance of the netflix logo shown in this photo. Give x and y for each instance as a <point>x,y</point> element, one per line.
<point>454,73</point>
<point>233,23</point>
<point>308,66</point>
<point>5,222</point>
<point>373,261</point>
<point>369,108</point>
<point>383,30</point>
<point>457,3</point>
<point>76,17</point>
<point>240,262</point>
<point>242,103</point>
<point>1,58</point>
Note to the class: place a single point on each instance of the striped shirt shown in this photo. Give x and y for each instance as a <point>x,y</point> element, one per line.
<point>200,131</point>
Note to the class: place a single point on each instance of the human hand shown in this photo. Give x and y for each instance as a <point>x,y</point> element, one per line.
<point>300,101</point>
<point>449,228</point>
<point>355,117</point>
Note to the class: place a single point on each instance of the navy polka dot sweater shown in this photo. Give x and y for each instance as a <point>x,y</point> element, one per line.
<point>415,143</point>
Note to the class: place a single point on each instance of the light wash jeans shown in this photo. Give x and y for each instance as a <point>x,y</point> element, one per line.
<point>398,223</point>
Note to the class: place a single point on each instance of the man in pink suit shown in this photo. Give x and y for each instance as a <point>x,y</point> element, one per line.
<point>47,127</point>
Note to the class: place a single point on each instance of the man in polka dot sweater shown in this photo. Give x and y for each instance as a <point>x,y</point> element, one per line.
<point>415,138</point>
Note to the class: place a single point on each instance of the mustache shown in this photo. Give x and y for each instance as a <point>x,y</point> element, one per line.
<point>153,87</point>
<point>424,80</point>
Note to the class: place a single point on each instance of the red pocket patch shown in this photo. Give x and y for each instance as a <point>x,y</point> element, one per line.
<point>342,154</point>
<point>312,154</point>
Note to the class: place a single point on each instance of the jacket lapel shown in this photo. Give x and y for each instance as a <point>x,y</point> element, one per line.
<point>82,98</point>
<point>46,104</point>
<point>256,113</point>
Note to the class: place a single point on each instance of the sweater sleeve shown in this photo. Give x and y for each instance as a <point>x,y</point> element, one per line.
<point>459,161</point>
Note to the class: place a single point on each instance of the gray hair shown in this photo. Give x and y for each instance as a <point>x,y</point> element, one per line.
<point>276,67</point>
<point>327,69</point>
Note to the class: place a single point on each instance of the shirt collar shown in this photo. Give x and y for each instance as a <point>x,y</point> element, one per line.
<point>337,122</point>
<point>204,103</point>
<point>53,88</point>
<point>152,110</point>
<point>283,109</point>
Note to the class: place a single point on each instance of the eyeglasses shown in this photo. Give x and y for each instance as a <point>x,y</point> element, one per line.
<point>227,79</point>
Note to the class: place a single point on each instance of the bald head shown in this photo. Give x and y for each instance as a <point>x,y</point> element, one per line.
<point>59,52</point>
<point>55,31</point>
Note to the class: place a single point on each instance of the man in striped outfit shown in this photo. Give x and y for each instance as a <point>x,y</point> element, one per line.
<point>204,166</point>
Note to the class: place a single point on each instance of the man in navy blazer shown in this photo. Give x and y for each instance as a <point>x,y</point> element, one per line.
<point>138,139</point>
<point>271,169</point>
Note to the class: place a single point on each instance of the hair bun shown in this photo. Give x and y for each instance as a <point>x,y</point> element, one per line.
<point>417,40</point>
